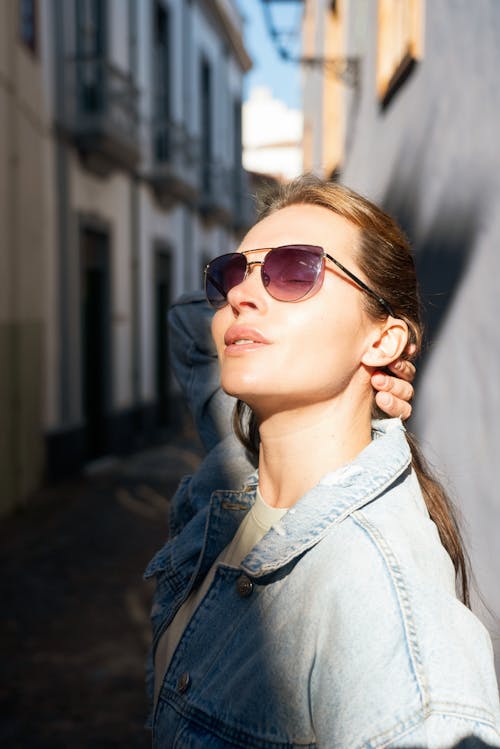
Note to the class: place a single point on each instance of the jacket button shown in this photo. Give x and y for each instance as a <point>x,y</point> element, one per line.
<point>244,586</point>
<point>183,682</point>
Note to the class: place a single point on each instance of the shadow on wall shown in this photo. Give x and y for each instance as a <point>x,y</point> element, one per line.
<point>444,252</point>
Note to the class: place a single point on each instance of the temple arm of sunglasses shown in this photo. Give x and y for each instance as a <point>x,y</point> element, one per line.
<point>362,285</point>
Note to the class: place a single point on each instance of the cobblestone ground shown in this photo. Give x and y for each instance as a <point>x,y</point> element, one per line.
<point>74,629</point>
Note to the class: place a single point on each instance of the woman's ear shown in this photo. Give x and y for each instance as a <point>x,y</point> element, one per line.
<point>387,344</point>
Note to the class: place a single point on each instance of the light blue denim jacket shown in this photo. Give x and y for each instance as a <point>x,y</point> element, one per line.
<point>340,629</point>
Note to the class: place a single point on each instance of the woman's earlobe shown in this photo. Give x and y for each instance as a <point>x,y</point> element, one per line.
<point>388,345</point>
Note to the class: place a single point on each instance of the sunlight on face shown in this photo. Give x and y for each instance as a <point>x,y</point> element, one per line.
<point>277,354</point>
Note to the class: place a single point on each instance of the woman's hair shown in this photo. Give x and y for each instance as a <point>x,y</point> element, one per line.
<point>383,254</point>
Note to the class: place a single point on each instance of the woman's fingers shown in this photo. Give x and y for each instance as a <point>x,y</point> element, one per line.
<point>403,369</point>
<point>393,394</point>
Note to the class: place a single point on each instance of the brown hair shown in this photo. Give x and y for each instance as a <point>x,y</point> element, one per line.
<point>384,257</point>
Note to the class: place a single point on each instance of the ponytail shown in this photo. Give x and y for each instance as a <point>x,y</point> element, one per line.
<point>442,513</point>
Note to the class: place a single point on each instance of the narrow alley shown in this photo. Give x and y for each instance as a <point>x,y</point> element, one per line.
<point>75,626</point>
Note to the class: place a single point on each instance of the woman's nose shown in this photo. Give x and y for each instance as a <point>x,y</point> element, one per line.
<point>250,292</point>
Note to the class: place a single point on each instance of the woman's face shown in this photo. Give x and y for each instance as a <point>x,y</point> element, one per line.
<point>302,352</point>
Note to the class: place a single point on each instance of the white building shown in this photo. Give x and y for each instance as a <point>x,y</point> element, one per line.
<point>140,124</point>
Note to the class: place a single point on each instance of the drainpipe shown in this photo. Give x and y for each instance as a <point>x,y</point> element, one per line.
<point>62,218</point>
<point>135,218</point>
<point>187,93</point>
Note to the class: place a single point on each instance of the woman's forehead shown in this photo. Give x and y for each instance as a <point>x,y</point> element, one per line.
<point>309,224</point>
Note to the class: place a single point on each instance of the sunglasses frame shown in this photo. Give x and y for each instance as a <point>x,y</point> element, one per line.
<point>323,256</point>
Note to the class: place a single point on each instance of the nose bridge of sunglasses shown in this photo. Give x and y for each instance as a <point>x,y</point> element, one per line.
<point>253,262</point>
<point>251,265</point>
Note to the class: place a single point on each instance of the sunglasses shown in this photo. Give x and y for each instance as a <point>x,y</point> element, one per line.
<point>289,273</point>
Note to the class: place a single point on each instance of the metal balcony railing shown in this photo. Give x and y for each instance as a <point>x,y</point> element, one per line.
<point>173,165</point>
<point>226,195</point>
<point>216,198</point>
<point>100,111</point>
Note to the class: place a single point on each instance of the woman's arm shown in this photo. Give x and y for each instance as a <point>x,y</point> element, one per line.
<point>195,364</point>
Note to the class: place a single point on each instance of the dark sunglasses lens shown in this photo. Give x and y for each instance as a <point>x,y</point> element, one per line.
<point>222,274</point>
<point>291,272</point>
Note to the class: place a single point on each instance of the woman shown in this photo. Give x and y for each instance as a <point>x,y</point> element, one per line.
<point>316,606</point>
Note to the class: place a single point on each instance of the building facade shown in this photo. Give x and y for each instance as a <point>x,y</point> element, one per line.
<point>142,182</point>
<point>25,208</point>
<point>416,130</point>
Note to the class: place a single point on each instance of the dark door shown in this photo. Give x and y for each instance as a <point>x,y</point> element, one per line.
<point>163,277</point>
<point>96,337</point>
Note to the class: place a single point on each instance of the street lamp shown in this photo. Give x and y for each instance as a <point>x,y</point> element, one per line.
<point>345,69</point>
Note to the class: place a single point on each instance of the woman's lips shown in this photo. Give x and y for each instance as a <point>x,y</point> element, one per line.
<point>239,339</point>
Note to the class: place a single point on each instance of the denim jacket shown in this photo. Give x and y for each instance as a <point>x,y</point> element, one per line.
<point>341,627</point>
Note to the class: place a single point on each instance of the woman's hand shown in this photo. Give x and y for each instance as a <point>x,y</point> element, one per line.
<point>394,393</point>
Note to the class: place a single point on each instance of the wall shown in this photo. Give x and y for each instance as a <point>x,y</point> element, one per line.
<point>431,158</point>
<point>23,248</point>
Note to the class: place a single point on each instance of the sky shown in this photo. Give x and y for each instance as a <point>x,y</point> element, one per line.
<point>283,78</point>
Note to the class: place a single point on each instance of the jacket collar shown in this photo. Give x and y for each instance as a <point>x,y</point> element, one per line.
<point>337,495</point>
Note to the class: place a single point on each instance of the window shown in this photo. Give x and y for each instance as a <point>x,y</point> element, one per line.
<point>161,82</point>
<point>91,28</point>
<point>91,52</point>
<point>206,125</point>
<point>27,23</point>
<point>237,134</point>
<point>400,44</point>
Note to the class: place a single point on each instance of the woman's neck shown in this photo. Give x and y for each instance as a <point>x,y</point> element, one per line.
<point>299,447</point>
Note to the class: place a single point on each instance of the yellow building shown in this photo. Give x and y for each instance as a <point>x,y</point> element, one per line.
<point>334,36</point>
<point>25,231</point>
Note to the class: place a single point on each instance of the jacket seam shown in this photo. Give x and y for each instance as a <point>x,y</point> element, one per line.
<point>221,729</point>
<point>402,595</point>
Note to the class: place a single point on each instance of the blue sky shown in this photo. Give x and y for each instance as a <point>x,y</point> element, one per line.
<point>283,78</point>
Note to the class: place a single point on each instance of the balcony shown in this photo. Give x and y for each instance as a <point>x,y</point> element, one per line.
<point>216,196</point>
<point>100,114</point>
<point>173,167</point>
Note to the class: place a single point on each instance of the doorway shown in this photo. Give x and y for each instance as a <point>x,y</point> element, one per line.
<point>96,339</point>
<point>163,299</point>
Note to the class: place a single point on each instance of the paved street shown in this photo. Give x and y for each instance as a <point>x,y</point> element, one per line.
<point>74,629</point>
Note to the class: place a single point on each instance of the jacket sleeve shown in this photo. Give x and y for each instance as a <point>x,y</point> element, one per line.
<point>226,466</point>
<point>411,667</point>
<point>195,364</point>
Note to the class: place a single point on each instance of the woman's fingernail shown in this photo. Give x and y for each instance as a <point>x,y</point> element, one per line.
<point>384,399</point>
<point>380,379</point>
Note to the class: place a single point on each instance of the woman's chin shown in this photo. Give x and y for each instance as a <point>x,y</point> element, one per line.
<point>241,384</point>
